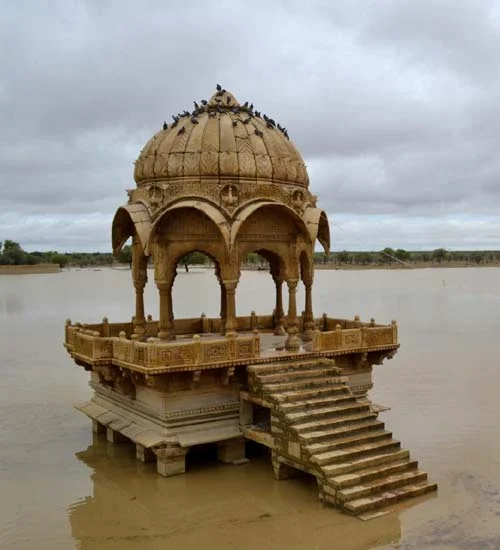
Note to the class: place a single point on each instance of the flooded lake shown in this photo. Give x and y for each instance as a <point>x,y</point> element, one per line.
<point>61,488</point>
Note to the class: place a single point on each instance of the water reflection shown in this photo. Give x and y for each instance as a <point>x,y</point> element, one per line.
<point>215,506</point>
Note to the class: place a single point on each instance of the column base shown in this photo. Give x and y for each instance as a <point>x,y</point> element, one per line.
<point>279,330</point>
<point>98,428</point>
<point>115,437</point>
<point>171,461</point>
<point>283,471</point>
<point>292,343</point>
<point>232,451</point>
<point>144,454</point>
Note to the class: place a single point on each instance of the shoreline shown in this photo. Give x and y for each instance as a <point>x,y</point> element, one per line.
<point>29,269</point>
<point>420,265</point>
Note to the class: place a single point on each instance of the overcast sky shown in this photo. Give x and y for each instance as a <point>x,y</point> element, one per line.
<point>395,106</point>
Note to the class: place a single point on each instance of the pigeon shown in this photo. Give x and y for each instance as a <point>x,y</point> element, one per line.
<point>165,125</point>
<point>218,88</point>
<point>204,101</point>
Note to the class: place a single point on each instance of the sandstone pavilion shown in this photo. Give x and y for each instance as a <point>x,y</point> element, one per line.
<point>226,180</point>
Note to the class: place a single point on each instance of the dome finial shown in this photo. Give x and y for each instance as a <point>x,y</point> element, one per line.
<point>223,98</point>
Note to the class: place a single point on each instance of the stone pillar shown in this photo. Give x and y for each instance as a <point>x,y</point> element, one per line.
<point>164,320</point>
<point>98,428</point>
<point>222,313</point>
<point>283,471</point>
<point>279,313</point>
<point>232,451</point>
<point>140,278</point>
<point>293,341</point>
<point>171,461</point>
<point>144,454</point>
<point>223,307</point>
<point>230,288</point>
<point>115,437</point>
<point>170,305</point>
<point>308,314</point>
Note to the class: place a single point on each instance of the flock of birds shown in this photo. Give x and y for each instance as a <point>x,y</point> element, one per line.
<point>220,107</point>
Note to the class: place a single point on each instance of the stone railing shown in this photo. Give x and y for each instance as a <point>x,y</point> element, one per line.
<point>181,327</point>
<point>114,343</point>
<point>89,346</point>
<point>365,337</point>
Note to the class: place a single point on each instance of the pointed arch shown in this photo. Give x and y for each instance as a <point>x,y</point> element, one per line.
<point>130,219</point>
<point>318,227</point>
<point>214,215</point>
<point>247,211</point>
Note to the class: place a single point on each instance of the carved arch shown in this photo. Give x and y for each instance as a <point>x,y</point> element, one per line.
<point>246,212</point>
<point>214,215</point>
<point>318,227</point>
<point>130,219</point>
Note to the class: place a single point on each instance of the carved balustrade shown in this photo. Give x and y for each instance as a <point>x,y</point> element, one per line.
<point>90,347</point>
<point>111,343</point>
<point>366,336</point>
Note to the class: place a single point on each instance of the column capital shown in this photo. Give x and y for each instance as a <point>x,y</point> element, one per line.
<point>292,283</point>
<point>230,284</point>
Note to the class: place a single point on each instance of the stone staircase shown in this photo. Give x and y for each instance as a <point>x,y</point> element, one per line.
<point>320,427</point>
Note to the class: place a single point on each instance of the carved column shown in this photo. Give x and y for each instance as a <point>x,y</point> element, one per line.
<point>165,325</point>
<point>223,306</point>
<point>293,341</point>
<point>230,317</point>
<point>279,313</point>
<point>308,315</point>
<point>140,278</point>
<point>170,305</point>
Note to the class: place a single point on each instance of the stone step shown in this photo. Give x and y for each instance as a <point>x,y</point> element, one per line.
<point>280,387</point>
<point>355,452</point>
<point>387,498</point>
<point>290,366</point>
<point>293,396</point>
<point>343,431</point>
<point>307,404</point>
<point>335,422</point>
<point>333,470</point>
<point>394,481</point>
<point>290,376</point>
<point>368,474</point>
<point>322,412</point>
<point>365,437</point>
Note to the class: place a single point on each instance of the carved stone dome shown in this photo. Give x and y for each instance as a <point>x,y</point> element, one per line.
<point>221,140</point>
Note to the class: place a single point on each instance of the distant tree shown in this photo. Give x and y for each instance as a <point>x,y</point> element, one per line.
<point>402,254</point>
<point>343,257</point>
<point>364,258</point>
<point>12,253</point>
<point>386,255</point>
<point>193,258</point>
<point>125,255</point>
<point>60,259</point>
<point>439,255</point>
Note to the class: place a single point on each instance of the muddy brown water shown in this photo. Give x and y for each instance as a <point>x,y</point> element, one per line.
<point>60,488</point>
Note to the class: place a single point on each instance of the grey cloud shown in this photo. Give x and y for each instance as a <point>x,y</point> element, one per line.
<point>393,106</point>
